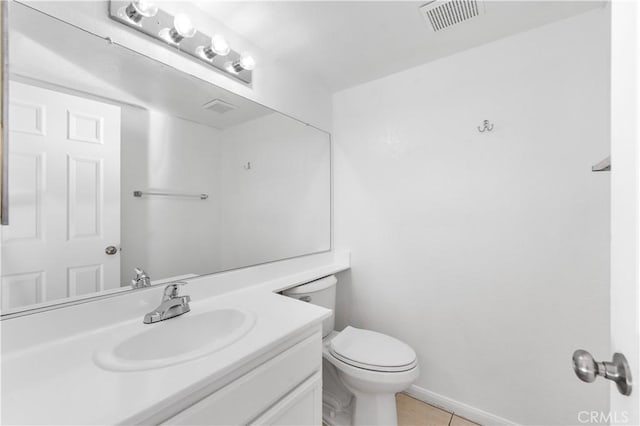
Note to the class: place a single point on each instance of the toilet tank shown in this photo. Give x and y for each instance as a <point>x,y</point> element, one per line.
<point>320,292</point>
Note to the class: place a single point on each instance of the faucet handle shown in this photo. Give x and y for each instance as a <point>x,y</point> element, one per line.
<point>141,279</point>
<point>173,289</point>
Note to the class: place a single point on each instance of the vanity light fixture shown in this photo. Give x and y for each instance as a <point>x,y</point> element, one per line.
<point>218,47</point>
<point>138,9</point>
<point>178,32</point>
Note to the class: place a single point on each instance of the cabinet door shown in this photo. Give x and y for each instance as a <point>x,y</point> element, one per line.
<point>254,393</point>
<point>301,407</point>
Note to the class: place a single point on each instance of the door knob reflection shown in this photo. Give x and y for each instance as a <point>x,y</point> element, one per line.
<point>111,250</point>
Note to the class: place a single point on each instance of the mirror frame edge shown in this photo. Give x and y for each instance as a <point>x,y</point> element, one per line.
<point>4,107</point>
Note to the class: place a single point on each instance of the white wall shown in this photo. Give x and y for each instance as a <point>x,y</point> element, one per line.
<point>169,236</point>
<point>275,84</point>
<point>487,253</point>
<point>281,207</point>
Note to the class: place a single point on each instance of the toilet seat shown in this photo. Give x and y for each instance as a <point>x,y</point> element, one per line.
<point>372,351</point>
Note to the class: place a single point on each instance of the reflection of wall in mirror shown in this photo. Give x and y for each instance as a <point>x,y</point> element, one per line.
<point>280,207</point>
<point>164,235</point>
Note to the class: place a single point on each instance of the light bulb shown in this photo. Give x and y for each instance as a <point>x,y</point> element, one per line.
<point>218,47</point>
<point>138,9</point>
<point>182,28</point>
<point>246,62</point>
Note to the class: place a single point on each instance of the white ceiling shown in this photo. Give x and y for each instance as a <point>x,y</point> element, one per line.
<point>345,43</point>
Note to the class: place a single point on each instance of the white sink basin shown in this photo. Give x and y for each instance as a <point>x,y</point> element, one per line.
<point>176,340</point>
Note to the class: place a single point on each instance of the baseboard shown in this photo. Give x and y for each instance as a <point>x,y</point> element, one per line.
<point>463,410</point>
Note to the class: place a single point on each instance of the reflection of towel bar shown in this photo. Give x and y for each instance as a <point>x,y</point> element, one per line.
<point>170,194</point>
<point>603,166</point>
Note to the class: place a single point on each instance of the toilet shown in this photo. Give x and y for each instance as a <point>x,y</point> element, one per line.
<point>362,369</point>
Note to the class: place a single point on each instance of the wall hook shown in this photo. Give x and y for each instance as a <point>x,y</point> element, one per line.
<point>247,166</point>
<point>486,126</point>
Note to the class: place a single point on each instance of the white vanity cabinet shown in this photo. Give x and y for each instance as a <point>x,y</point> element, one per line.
<point>303,406</point>
<point>284,390</point>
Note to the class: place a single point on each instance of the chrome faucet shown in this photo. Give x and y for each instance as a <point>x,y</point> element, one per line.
<point>171,306</point>
<point>141,280</point>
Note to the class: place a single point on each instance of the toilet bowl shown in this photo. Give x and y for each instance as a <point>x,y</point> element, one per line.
<point>362,369</point>
<point>373,367</point>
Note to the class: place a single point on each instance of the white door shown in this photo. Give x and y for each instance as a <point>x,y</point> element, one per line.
<point>625,202</point>
<point>64,197</point>
<point>622,366</point>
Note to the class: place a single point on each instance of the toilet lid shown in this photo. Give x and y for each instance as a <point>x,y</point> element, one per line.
<point>372,351</point>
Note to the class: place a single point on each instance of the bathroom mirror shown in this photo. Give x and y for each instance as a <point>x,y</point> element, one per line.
<point>110,170</point>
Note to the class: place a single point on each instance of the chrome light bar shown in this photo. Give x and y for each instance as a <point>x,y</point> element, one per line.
<point>177,32</point>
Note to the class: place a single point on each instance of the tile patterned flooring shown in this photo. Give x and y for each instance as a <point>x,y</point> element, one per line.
<point>412,412</point>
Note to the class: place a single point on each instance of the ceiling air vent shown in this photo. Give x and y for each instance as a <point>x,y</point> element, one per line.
<point>219,106</point>
<point>441,14</point>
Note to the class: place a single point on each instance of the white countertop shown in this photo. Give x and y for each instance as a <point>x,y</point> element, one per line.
<point>58,382</point>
